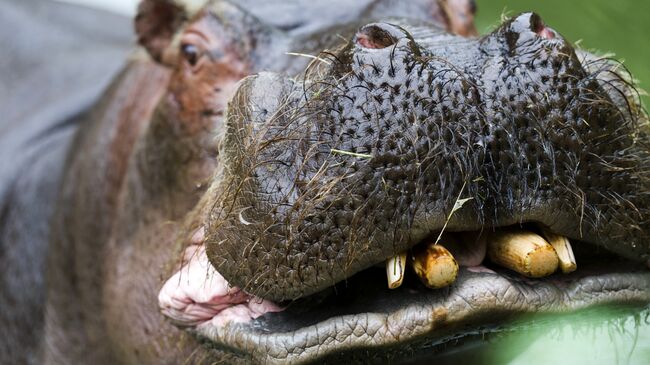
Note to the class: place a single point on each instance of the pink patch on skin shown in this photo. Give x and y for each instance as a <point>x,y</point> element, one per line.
<point>365,42</point>
<point>546,33</point>
<point>469,250</point>
<point>198,237</point>
<point>190,252</point>
<point>198,294</point>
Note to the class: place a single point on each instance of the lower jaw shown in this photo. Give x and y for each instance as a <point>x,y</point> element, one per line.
<point>364,318</point>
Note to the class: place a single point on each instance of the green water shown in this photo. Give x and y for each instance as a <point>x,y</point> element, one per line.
<point>597,337</point>
<point>621,27</point>
<point>604,26</point>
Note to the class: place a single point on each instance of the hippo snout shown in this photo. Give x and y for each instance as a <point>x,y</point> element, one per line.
<point>371,151</point>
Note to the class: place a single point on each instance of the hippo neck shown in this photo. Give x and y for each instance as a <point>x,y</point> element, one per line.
<point>92,183</point>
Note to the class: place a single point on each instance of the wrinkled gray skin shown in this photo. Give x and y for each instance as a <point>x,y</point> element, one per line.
<point>519,124</point>
<point>115,216</point>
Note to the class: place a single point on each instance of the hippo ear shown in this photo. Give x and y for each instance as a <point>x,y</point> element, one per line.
<point>158,21</point>
<point>459,16</point>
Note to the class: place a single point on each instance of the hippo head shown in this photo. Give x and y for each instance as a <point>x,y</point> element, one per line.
<point>366,155</point>
<point>376,133</point>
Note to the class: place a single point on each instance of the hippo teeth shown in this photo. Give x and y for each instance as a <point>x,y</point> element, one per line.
<point>563,249</point>
<point>524,252</point>
<point>436,263</point>
<point>395,269</point>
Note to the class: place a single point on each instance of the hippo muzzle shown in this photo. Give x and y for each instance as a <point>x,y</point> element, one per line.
<point>408,133</point>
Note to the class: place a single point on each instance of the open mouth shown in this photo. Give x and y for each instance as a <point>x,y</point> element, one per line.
<point>363,319</point>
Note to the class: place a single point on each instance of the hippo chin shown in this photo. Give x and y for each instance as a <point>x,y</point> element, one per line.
<point>246,186</point>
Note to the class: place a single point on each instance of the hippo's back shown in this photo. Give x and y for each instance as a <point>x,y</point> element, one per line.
<point>56,60</point>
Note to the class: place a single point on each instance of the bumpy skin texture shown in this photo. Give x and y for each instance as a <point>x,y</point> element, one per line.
<point>144,172</point>
<point>367,156</point>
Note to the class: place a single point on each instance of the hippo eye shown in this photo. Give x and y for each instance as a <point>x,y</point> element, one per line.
<point>191,53</point>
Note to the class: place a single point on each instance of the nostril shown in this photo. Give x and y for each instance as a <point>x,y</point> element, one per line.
<point>374,36</point>
<point>538,27</point>
<point>525,27</point>
<point>535,22</point>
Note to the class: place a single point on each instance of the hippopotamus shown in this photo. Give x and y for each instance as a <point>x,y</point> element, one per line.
<point>246,185</point>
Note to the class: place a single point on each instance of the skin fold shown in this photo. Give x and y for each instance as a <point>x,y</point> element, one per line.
<point>361,125</point>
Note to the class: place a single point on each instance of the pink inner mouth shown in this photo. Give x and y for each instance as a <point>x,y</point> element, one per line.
<point>197,294</point>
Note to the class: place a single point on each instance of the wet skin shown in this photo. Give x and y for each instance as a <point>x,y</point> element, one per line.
<point>289,190</point>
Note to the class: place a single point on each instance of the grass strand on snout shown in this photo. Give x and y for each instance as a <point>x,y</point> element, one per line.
<point>457,205</point>
<point>348,153</point>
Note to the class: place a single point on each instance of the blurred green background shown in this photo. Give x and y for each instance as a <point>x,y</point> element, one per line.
<point>621,27</point>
